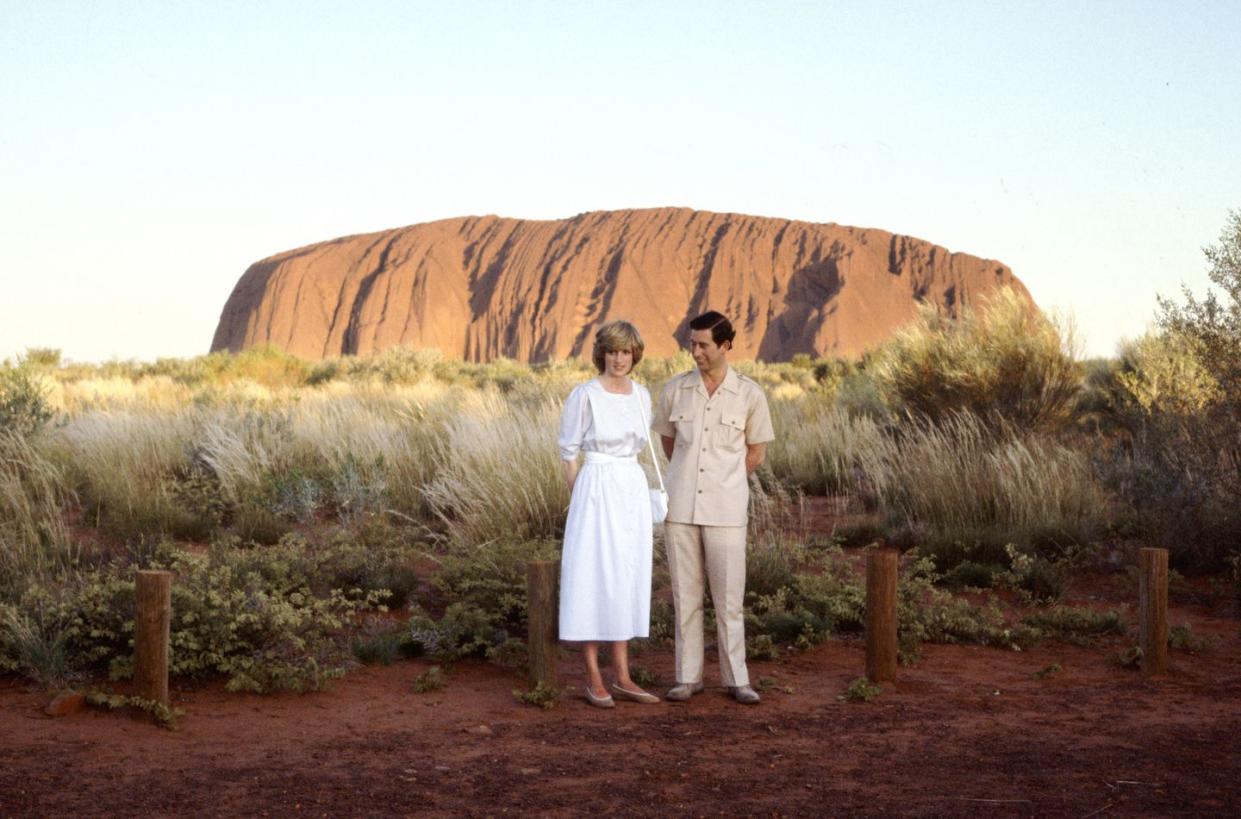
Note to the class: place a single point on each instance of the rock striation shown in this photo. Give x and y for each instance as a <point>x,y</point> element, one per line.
<point>481,287</point>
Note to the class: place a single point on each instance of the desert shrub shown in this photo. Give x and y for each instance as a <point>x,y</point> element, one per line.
<point>1180,471</point>
<point>380,648</point>
<point>1005,360</point>
<point>267,619</point>
<point>35,544</point>
<point>430,680</point>
<point>1165,373</point>
<point>928,614</point>
<point>24,407</point>
<point>483,593</point>
<point>268,366</point>
<point>1212,326</point>
<point>373,557</point>
<point>970,488</point>
<point>655,372</point>
<point>828,596</point>
<point>861,690</point>
<point>761,647</point>
<point>1040,579</point>
<point>541,695</point>
<point>34,644</point>
<point>1075,624</point>
<point>970,575</point>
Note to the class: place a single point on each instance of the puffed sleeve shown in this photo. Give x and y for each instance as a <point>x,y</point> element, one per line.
<point>573,421</point>
<point>644,395</point>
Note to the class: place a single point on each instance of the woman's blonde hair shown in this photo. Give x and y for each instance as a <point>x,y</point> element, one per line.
<point>613,336</point>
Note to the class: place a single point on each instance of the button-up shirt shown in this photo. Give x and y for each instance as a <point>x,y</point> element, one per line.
<point>707,482</point>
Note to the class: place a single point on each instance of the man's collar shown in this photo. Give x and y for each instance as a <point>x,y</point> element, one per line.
<point>731,382</point>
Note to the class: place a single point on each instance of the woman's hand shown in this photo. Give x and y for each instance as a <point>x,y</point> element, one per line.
<point>570,473</point>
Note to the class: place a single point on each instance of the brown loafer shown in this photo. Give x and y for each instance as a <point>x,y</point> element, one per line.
<point>634,696</point>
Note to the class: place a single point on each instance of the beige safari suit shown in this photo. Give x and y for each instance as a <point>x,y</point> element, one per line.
<point>708,501</point>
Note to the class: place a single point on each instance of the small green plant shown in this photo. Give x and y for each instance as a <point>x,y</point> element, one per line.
<point>543,696</point>
<point>1048,671</point>
<point>378,649</point>
<point>970,575</point>
<point>862,690</point>
<point>35,643</point>
<point>1131,657</point>
<point>761,647</point>
<point>430,680</point>
<point>1077,625</point>
<point>1182,638</point>
<point>163,715</point>
<point>644,677</point>
<point>772,684</point>
<point>24,409</point>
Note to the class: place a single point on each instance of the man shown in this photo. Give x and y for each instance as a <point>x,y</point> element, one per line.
<point>715,427</point>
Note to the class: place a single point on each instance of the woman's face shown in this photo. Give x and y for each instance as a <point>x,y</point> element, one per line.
<point>618,362</point>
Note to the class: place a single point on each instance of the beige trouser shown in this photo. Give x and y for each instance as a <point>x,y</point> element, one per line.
<point>721,550</point>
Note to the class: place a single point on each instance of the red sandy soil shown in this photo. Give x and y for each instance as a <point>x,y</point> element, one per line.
<point>965,731</point>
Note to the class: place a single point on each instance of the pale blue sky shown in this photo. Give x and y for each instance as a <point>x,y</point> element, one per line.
<point>150,151</point>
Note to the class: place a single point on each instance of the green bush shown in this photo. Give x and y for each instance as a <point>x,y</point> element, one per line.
<point>1004,361</point>
<point>24,408</point>
<point>862,690</point>
<point>268,619</point>
<point>430,680</point>
<point>483,591</point>
<point>1180,468</point>
<point>1078,625</point>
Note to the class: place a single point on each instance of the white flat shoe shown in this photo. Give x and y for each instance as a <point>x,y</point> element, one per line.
<point>599,702</point>
<point>634,696</point>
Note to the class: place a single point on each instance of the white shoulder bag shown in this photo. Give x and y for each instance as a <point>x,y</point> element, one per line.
<point>659,497</point>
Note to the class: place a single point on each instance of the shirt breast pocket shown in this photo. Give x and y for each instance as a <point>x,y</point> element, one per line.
<point>686,423</point>
<point>731,431</point>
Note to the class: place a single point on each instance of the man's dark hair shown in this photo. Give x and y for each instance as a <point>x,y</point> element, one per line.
<point>719,325</point>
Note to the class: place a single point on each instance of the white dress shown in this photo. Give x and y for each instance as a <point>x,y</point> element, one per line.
<point>605,566</point>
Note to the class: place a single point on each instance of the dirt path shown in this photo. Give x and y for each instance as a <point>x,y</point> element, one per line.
<point>966,731</point>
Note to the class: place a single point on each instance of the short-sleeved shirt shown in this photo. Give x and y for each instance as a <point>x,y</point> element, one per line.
<point>707,481</point>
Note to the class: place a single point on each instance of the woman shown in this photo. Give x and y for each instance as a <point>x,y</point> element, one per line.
<point>605,568</point>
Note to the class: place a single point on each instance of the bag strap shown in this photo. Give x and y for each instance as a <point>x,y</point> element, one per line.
<point>650,440</point>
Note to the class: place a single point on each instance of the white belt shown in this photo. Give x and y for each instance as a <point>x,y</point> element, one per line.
<point>603,458</point>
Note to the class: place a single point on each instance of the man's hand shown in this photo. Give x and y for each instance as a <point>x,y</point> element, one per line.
<point>668,443</point>
<point>754,455</point>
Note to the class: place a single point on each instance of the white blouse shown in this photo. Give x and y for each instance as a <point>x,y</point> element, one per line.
<point>595,420</point>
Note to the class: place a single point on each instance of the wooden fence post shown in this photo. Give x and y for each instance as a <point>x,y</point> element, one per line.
<point>1153,605</point>
<point>152,620</point>
<point>542,611</point>
<point>881,567</point>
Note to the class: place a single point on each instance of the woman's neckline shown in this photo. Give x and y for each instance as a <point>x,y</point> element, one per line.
<point>609,392</point>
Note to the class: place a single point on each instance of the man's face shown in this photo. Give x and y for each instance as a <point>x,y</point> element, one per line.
<point>707,354</point>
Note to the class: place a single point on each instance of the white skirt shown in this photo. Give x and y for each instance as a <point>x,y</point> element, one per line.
<point>605,566</point>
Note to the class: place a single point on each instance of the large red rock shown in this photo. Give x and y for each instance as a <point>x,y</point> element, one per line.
<point>482,287</point>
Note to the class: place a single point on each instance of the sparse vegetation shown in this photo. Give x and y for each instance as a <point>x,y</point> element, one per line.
<point>295,501</point>
<point>862,690</point>
<point>541,695</point>
<point>430,680</point>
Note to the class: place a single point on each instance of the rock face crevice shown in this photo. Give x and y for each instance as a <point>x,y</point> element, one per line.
<point>483,287</point>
